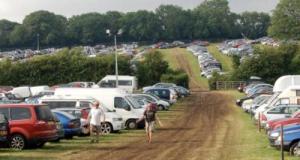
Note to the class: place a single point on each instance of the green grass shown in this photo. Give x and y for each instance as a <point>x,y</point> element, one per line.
<point>249,143</point>
<point>226,61</point>
<point>169,56</point>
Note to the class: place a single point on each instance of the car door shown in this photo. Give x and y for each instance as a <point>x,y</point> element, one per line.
<point>20,117</point>
<point>122,106</point>
<point>276,113</point>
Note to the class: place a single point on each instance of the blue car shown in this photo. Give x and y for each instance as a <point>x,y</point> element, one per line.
<point>291,137</point>
<point>71,124</point>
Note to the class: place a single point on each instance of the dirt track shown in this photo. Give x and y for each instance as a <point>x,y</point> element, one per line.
<point>202,131</point>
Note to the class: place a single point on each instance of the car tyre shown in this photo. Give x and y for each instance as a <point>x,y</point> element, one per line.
<point>295,150</point>
<point>106,128</point>
<point>17,141</point>
<point>131,124</point>
<point>160,107</point>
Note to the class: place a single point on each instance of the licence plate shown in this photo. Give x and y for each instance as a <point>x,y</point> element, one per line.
<point>3,133</point>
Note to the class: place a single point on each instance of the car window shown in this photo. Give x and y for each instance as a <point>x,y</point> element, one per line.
<point>43,113</point>
<point>292,110</point>
<point>121,103</point>
<point>5,111</point>
<point>149,98</point>
<point>3,118</point>
<point>84,104</point>
<point>20,113</point>
<point>278,110</point>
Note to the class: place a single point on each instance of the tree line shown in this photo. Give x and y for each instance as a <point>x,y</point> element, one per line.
<point>212,19</point>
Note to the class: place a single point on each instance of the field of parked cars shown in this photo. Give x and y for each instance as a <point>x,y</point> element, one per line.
<point>34,115</point>
<point>273,107</point>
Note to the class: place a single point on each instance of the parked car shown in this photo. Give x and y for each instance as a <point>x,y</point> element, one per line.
<point>30,125</point>
<point>70,123</point>
<point>274,124</point>
<point>162,104</point>
<point>4,129</point>
<point>278,112</point>
<point>164,93</point>
<point>291,138</point>
<point>60,129</point>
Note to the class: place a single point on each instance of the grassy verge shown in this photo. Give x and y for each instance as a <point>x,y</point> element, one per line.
<point>249,143</point>
<point>223,59</point>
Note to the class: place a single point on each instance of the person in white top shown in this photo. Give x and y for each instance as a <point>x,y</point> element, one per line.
<point>95,121</point>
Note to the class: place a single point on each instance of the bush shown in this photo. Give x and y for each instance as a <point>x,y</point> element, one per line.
<point>150,70</point>
<point>177,77</point>
<point>212,82</point>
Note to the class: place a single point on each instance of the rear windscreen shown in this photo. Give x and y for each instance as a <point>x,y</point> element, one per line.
<point>43,113</point>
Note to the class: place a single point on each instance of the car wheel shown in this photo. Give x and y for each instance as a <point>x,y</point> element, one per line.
<point>131,124</point>
<point>17,142</point>
<point>160,107</point>
<point>295,150</point>
<point>106,128</point>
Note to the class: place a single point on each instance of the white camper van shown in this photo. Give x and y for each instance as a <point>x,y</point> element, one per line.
<point>113,121</point>
<point>127,83</point>
<point>114,99</point>
<point>283,84</point>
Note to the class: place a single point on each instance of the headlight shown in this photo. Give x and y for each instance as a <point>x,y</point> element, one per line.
<point>267,125</point>
<point>117,119</point>
<point>276,134</point>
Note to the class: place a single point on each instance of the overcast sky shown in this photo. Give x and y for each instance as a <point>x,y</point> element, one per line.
<point>16,10</point>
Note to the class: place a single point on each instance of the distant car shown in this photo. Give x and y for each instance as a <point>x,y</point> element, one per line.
<point>4,129</point>
<point>160,85</point>
<point>71,124</point>
<point>162,104</point>
<point>183,92</point>
<point>30,125</point>
<point>164,93</point>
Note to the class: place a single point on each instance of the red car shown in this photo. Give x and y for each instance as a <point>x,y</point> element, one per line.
<point>30,125</point>
<point>295,118</point>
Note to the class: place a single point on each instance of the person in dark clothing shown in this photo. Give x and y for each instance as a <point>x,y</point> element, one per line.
<point>150,118</point>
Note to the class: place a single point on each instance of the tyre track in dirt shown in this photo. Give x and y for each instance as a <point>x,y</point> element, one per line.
<point>200,131</point>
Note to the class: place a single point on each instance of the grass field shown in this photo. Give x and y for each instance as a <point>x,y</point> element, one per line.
<point>174,64</point>
<point>248,144</point>
<point>223,59</point>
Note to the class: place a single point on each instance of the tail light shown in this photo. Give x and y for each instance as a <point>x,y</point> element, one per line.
<point>263,117</point>
<point>71,125</point>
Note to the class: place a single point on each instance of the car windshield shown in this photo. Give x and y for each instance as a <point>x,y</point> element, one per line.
<point>43,113</point>
<point>133,102</point>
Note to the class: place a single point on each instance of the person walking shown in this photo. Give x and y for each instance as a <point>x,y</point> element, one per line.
<point>150,118</point>
<point>94,120</point>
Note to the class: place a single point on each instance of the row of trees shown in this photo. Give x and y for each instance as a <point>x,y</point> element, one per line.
<point>71,65</point>
<point>212,19</point>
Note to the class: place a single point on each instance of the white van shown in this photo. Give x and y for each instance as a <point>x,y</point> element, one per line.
<point>128,83</point>
<point>290,95</point>
<point>113,120</point>
<point>114,99</point>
